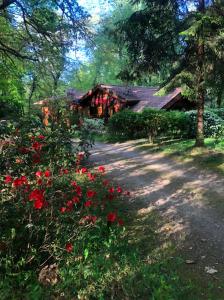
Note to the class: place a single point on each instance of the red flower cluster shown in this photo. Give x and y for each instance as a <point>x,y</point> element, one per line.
<point>37,146</point>
<point>91,219</point>
<point>88,203</point>
<point>101,169</point>
<point>111,217</point>
<point>38,197</point>
<point>90,194</point>
<point>41,137</point>
<point>8,179</point>
<point>20,181</point>
<point>69,247</point>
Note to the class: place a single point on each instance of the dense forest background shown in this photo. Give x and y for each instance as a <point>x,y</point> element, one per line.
<point>49,46</point>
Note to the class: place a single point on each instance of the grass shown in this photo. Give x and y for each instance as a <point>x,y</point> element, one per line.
<point>210,157</point>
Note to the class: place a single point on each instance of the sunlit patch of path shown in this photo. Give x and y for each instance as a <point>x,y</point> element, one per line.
<point>181,193</point>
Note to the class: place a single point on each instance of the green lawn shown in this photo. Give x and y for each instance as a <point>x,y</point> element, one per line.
<point>210,157</point>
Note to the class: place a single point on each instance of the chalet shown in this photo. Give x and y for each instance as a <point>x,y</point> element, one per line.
<point>105,100</point>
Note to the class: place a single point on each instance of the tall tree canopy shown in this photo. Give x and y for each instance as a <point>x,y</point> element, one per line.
<point>35,37</point>
<point>182,36</point>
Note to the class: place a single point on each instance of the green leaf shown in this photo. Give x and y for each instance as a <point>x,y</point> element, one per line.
<point>86,253</point>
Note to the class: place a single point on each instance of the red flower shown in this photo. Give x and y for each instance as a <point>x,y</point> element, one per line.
<point>69,247</point>
<point>90,193</point>
<point>105,182</point>
<point>39,181</point>
<point>111,217</point>
<point>88,218</point>
<point>17,182</point>
<point>74,183</point>
<point>65,171</point>
<point>79,191</point>
<point>47,173</point>
<point>69,204</point>
<point>37,195</point>
<point>38,173</point>
<point>101,169</point>
<point>75,199</point>
<point>23,179</point>
<point>91,176</point>
<point>111,190</point>
<point>93,219</point>
<point>119,189</point>
<point>88,203</point>
<point>8,179</point>
<point>37,146</point>
<point>63,209</point>
<point>41,137</point>
<point>83,170</point>
<point>38,204</point>
<point>120,222</point>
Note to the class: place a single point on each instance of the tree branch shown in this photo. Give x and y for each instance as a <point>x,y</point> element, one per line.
<point>15,53</point>
<point>6,3</point>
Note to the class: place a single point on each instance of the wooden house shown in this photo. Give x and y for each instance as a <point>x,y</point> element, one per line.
<point>104,100</point>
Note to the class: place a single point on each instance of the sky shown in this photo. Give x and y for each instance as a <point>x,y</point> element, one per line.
<point>98,9</point>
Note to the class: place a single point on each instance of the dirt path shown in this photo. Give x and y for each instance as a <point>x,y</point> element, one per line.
<point>181,193</point>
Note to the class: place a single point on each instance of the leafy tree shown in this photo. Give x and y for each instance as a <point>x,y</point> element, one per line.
<point>180,36</point>
<point>35,38</point>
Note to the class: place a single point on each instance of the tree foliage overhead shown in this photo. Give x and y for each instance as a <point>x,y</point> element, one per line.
<point>35,38</point>
<point>30,28</point>
<point>182,36</point>
<point>164,35</point>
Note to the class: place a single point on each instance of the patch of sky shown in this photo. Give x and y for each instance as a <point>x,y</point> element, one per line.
<point>98,9</point>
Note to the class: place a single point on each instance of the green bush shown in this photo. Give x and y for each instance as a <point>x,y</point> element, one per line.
<point>157,123</point>
<point>126,125</point>
<point>150,124</point>
<point>219,112</point>
<point>55,214</point>
<point>213,124</point>
<point>10,109</point>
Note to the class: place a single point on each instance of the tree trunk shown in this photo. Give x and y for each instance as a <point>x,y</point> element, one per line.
<point>219,99</point>
<point>201,90</point>
<point>32,90</point>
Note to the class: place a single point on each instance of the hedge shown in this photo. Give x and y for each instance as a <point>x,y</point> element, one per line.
<point>150,123</point>
<point>153,123</point>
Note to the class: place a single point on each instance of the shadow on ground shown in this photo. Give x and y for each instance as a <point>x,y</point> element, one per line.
<point>170,205</point>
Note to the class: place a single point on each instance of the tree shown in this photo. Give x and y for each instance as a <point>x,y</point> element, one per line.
<point>35,38</point>
<point>179,36</point>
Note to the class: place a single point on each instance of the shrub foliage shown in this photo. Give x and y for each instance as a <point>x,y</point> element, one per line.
<point>153,124</point>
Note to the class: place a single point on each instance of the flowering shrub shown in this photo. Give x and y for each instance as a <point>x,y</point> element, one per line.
<point>62,232</point>
<point>54,210</point>
<point>47,212</point>
<point>28,143</point>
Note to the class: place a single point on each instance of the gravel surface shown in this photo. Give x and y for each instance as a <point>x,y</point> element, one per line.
<point>191,200</point>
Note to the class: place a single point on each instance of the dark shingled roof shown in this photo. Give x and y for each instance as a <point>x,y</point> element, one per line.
<point>74,94</point>
<point>145,96</point>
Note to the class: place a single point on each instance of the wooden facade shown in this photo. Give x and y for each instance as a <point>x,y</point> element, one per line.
<point>105,100</point>
<point>100,102</point>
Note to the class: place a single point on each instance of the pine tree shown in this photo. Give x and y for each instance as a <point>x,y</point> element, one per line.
<point>182,36</point>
